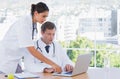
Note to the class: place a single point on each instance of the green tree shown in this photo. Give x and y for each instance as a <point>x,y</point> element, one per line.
<point>101,55</point>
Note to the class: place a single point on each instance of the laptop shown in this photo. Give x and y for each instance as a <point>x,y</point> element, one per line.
<point>81,66</point>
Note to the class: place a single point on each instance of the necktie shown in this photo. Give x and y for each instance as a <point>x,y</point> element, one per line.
<point>47,48</point>
<point>19,69</point>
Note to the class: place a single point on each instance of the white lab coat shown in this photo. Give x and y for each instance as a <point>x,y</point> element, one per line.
<point>34,65</point>
<point>13,46</point>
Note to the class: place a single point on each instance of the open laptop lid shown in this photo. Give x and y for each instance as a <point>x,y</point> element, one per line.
<point>82,64</point>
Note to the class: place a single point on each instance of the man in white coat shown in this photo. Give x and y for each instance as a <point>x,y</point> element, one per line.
<point>50,49</point>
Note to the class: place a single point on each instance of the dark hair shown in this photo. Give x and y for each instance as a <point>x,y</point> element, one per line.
<point>48,25</point>
<point>39,7</point>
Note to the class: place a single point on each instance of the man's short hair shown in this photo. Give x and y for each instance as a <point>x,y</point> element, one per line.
<point>48,25</point>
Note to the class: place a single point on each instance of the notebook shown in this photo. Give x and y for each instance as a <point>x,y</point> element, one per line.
<point>81,66</point>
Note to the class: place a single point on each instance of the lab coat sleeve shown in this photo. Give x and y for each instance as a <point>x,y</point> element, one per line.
<point>24,34</point>
<point>64,57</point>
<point>30,64</point>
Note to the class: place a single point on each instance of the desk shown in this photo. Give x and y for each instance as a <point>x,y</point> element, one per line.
<point>93,73</point>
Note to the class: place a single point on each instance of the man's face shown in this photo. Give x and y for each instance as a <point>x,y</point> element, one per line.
<point>48,35</point>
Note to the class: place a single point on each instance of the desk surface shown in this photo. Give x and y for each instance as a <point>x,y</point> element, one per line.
<point>93,73</point>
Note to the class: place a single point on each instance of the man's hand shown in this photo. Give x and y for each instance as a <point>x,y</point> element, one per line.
<point>68,68</point>
<point>48,70</point>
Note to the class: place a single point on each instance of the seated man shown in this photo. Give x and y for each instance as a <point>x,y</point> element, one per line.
<point>50,49</point>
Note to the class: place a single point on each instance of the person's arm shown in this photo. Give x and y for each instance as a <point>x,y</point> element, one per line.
<point>42,58</point>
<point>31,64</point>
<point>66,58</point>
<point>67,64</point>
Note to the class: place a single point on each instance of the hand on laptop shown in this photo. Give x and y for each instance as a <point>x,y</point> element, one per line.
<point>57,68</point>
<point>68,68</point>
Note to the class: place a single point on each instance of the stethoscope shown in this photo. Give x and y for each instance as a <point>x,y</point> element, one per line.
<point>34,28</point>
<point>38,48</point>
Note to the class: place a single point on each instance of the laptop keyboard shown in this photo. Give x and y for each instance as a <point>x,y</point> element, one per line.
<point>67,72</point>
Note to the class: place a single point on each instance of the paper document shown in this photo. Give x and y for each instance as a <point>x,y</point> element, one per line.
<point>26,75</point>
<point>1,72</point>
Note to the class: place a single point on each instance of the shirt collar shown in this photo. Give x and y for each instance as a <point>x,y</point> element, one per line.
<point>43,44</point>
